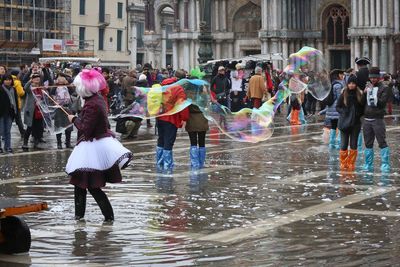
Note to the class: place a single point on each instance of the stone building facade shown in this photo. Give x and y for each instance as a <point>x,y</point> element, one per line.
<point>342,29</point>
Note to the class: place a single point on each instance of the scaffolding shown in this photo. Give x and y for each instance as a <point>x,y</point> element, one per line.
<point>24,23</point>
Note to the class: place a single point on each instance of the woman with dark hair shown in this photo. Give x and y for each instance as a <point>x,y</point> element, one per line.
<point>350,106</point>
<point>8,110</point>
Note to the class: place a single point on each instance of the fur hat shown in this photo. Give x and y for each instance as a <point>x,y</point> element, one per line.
<point>89,82</point>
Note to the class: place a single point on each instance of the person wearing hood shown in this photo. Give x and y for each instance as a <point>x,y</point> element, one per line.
<point>350,106</point>
<point>375,99</point>
<point>21,93</point>
<point>168,125</point>
<point>337,78</point>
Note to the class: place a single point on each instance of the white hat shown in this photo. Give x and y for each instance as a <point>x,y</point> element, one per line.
<point>142,77</point>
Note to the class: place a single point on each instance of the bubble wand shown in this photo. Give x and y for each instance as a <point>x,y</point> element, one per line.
<point>55,102</point>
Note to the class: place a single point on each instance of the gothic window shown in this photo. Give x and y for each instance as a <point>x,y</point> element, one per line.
<point>337,24</point>
<point>247,21</point>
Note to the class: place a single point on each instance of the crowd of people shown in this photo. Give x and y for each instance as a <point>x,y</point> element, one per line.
<point>358,101</point>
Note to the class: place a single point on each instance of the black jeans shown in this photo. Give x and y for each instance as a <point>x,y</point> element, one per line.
<point>98,195</point>
<point>166,134</point>
<point>350,135</point>
<point>197,138</point>
<point>372,129</point>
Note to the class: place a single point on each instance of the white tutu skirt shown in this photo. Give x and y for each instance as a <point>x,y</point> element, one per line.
<point>93,163</point>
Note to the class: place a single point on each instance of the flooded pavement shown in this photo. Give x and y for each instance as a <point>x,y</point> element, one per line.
<point>283,202</point>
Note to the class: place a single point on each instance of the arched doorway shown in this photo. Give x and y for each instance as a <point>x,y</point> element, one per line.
<point>246,24</point>
<point>336,21</point>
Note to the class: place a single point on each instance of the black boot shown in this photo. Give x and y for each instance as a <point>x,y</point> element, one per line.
<point>59,146</point>
<point>68,138</point>
<point>80,202</point>
<point>25,144</point>
<point>104,204</point>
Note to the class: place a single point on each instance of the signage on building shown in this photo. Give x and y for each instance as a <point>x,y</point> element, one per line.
<point>56,45</point>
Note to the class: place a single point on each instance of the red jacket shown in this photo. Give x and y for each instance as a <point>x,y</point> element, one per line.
<point>171,96</point>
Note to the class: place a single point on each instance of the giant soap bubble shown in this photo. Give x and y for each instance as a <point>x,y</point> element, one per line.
<point>306,69</point>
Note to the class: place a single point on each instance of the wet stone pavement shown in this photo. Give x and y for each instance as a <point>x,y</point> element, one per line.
<point>283,202</point>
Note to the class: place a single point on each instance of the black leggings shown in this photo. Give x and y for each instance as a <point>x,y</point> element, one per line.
<point>351,134</point>
<point>334,123</point>
<point>98,195</point>
<point>197,138</point>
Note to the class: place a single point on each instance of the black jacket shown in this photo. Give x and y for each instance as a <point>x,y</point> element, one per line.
<point>5,104</point>
<point>378,111</point>
<point>351,101</point>
<point>221,84</point>
<point>362,77</point>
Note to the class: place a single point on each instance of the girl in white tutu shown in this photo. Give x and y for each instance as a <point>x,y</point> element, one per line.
<point>98,156</point>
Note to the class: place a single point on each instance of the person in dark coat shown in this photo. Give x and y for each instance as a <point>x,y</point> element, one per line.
<point>376,96</point>
<point>220,86</point>
<point>98,156</point>
<point>363,72</point>
<point>8,110</point>
<point>350,103</point>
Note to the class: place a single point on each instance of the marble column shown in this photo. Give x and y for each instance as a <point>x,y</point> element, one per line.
<point>284,15</point>
<point>230,48</point>
<point>218,50</point>
<point>275,14</point>
<point>264,18</point>
<point>186,14</point>
<point>223,16</point>
<point>360,13</point>
<point>375,59</point>
<point>378,14</point>
<point>163,46</point>
<point>198,19</point>
<point>217,15</point>
<point>365,52</point>
<point>366,13</point>
<point>372,12</point>
<point>176,16</point>
<point>352,54</point>
<point>133,44</point>
<point>385,13</point>
<point>285,48</point>
<point>175,55</point>
<point>396,16</point>
<point>357,47</point>
<point>186,55</point>
<point>384,54</point>
<point>354,15</point>
<point>320,45</point>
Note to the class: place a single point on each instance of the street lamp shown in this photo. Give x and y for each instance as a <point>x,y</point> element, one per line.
<point>205,38</point>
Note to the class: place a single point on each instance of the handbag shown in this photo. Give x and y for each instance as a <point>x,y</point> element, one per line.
<point>347,118</point>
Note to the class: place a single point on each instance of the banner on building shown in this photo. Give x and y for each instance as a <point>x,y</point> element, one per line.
<point>56,45</point>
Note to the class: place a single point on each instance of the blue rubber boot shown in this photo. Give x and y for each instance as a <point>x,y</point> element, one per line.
<point>168,161</point>
<point>369,160</point>
<point>302,117</point>
<point>194,158</point>
<point>385,160</point>
<point>332,139</point>
<point>159,158</point>
<point>337,145</point>
<point>202,157</point>
<point>360,143</point>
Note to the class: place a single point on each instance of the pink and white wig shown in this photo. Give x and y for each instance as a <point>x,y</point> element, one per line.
<point>89,82</point>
